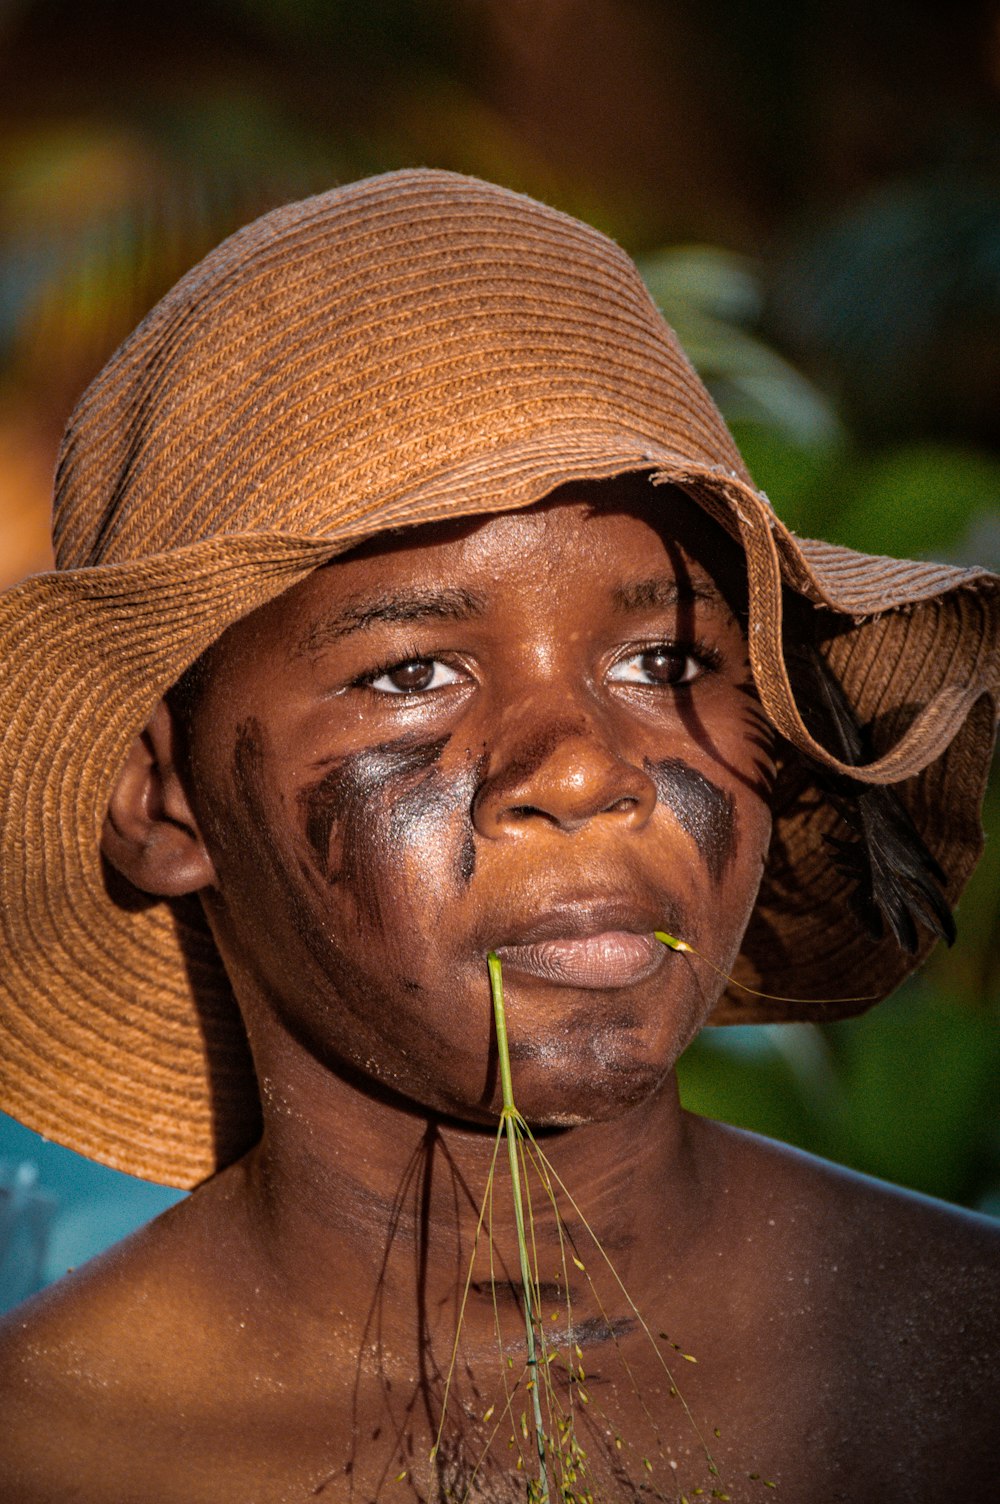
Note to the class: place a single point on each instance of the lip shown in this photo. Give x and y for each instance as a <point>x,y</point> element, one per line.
<point>582,917</point>
<point>601,960</point>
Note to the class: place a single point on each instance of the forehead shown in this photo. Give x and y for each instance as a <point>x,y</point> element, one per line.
<point>623,541</point>
<point>616,546</point>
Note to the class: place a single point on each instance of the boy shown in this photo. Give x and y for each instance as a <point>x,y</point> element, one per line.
<point>413,605</point>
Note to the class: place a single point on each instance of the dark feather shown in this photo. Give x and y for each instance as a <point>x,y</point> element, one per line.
<point>898,884</point>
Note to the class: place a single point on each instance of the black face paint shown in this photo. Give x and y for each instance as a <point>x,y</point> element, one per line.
<point>467,858</point>
<point>373,797</point>
<point>256,827</point>
<point>467,790</point>
<point>252,824</point>
<point>703,811</point>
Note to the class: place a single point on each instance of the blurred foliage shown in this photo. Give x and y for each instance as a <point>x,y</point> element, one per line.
<point>897,300</point>
<point>100,222</point>
<point>837,1091</point>
<point>712,298</point>
<point>814,197</point>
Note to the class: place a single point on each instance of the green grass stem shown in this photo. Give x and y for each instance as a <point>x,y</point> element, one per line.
<point>509,1118</point>
<point>563,1469</point>
<point>673,943</point>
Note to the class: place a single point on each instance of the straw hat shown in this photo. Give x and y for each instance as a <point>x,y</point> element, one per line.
<point>413,347</point>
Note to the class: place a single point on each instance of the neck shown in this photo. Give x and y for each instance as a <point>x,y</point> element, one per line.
<point>391,1199</point>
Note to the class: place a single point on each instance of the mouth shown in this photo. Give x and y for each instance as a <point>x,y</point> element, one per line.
<point>586,945</point>
<point>612,958</point>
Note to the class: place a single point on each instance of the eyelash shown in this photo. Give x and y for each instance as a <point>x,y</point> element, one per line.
<point>398,660</point>
<point>697,651</point>
<point>709,658</point>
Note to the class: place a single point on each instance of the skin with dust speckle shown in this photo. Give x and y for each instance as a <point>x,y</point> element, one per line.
<point>533,732</point>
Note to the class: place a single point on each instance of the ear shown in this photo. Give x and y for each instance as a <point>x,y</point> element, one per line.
<point>150,833</point>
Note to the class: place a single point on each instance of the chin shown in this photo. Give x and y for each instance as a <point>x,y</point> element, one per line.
<point>557,1095</point>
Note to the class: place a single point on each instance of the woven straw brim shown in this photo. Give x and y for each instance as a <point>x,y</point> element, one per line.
<point>122,1037</point>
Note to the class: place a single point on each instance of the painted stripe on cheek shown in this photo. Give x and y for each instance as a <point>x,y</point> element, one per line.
<point>374,797</point>
<point>703,811</point>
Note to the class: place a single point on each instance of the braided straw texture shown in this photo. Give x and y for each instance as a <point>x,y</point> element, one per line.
<point>410,348</point>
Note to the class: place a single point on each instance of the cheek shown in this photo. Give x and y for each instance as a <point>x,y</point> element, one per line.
<point>387,826</point>
<point>737,893</point>
<point>704,811</point>
<point>302,865</point>
<point>259,863</point>
<point>721,801</point>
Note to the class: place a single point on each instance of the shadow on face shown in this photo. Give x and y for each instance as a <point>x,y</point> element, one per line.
<point>534,731</point>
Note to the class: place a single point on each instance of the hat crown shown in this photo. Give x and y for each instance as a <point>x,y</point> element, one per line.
<point>329,360</point>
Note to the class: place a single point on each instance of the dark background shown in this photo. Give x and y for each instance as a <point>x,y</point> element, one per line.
<point>812,194</point>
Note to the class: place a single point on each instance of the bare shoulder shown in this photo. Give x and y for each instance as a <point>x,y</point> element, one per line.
<point>167,1369</point>
<point>111,1308</point>
<point>91,1368</point>
<point>863,1218</point>
<point>884,1303</point>
<point>877,1245</point>
<point>69,1360</point>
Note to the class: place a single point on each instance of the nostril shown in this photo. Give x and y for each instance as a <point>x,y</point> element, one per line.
<point>564,781</point>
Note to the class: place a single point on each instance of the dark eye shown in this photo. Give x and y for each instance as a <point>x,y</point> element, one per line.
<point>414,676</point>
<point>660,665</point>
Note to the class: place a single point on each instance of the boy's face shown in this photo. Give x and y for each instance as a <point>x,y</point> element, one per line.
<point>533,732</point>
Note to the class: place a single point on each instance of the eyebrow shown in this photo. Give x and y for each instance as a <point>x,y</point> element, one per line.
<point>449,604</point>
<point>664,592</point>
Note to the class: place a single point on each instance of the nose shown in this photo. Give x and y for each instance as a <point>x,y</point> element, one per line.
<point>565,775</point>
